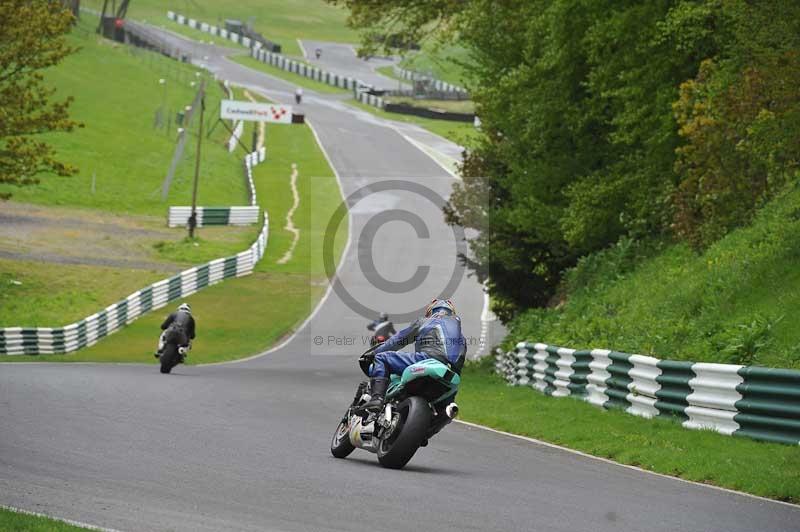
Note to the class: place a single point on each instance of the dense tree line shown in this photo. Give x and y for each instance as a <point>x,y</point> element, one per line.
<point>605,119</point>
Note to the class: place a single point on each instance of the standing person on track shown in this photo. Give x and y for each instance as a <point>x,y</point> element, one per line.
<point>436,335</point>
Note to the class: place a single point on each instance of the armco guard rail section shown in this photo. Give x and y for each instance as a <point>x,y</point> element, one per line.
<point>214,30</point>
<point>758,402</point>
<point>284,63</point>
<point>179,216</point>
<point>45,340</point>
<point>439,85</point>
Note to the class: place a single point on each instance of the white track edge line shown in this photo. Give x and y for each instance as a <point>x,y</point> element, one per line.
<point>330,285</point>
<point>60,519</point>
<point>627,466</point>
<point>427,151</point>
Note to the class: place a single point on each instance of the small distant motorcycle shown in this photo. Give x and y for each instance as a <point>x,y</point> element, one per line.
<point>176,346</point>
<point>318,53</point>
<point>419,403</point>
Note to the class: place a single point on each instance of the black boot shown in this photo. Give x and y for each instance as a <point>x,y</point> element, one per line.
<point>377,386</point>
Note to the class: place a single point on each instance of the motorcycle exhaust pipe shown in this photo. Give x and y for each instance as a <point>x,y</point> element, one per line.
<point>451,410</point>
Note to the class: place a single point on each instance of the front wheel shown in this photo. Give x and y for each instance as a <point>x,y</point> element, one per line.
<point>340,443</point>
<point>413,419</point>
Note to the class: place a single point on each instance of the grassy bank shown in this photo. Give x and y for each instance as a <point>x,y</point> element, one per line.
<point>735,303</point>
<point>453,106</point>
<point>240,317</point>
<point>461,133</point>
<point>290,77</point>
<point>122,158</point>
<point>21,522</point>
<point>280,21</point>
<point>661,445</point>
<point>444,62</point>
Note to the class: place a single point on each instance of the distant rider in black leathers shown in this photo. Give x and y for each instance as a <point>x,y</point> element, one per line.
<point>182,323</point>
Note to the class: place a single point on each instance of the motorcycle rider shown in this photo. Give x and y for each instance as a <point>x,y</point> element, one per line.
<point>181,321</point>
<point>436,335</point>
<point>381,326</point>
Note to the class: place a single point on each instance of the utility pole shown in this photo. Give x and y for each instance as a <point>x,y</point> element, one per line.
<point>193,217</point>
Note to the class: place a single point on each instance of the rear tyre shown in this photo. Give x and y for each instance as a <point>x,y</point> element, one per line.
<point>397,449</point>
<point>169,358</point>
<point>340,443</point>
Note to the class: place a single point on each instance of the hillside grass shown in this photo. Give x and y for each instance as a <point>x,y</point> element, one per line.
<point>661,445</point>
<point>244,316</point>
<point>443,61</point>
<point>291,77</point>
<point>278,20</point>
<point>462,133</point>
<point>117,94</point>
<point>735,302</point>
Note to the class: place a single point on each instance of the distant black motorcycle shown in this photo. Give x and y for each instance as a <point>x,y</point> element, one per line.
<point>176,345</point>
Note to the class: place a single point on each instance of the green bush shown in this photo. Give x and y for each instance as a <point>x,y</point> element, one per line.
<point>732,303</point>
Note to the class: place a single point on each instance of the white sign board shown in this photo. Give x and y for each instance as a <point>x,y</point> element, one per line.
<point>255,112</point>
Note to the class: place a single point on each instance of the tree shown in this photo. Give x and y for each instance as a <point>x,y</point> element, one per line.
<point>32,38</point>
<point>583,142</point>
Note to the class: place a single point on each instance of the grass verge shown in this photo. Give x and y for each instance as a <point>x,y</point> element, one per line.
<point>443,61</point>
<point>660,445</point>
<point>240,317</point>
<point>22,522</point>
<point>454,106</point>
<point>122,157</point>
<point>290,77</point>
<point>462,133</point>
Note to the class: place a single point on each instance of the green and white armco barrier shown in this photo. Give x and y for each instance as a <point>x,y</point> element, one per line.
<point>369,99</point>
<point>178,216</point>
<point>213,30</point>
<point>307,71</point>
<point>758,402</point>
<point>88,331</point>
<point>437,84</point>
<point>284,63</point>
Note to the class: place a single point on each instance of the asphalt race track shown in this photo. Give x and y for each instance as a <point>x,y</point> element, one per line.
<point>244,446</point>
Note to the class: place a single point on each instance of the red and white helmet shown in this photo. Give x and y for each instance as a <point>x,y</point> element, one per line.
<point>439,304</point>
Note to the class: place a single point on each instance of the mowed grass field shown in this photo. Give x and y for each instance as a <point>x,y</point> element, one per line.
<point>241,317</point>
<point>281,21</point>
<point>117,93</point>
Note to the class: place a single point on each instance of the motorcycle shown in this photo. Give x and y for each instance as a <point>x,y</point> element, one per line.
<point>175,349</point>
<point>417,406</point>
